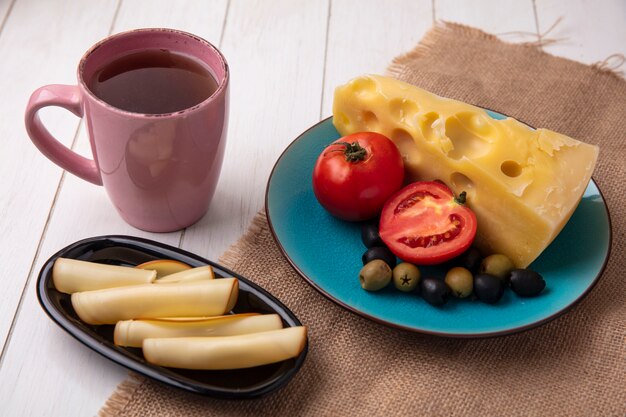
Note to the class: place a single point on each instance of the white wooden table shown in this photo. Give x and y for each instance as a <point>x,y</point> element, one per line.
<point>286,57</point>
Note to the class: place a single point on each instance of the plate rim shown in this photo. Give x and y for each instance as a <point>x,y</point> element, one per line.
<point>144,369</point>
<point>475,335</point>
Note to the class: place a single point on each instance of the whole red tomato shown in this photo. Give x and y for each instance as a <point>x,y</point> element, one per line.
<point>355,175</point>
<point>425,224</point>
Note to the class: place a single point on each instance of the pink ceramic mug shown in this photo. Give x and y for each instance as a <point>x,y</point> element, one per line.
<point>160,170</point>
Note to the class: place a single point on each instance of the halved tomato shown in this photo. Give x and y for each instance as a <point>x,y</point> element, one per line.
<point>425,224</point>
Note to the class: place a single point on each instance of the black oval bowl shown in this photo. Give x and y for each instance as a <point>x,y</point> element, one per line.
<point>130,251</point>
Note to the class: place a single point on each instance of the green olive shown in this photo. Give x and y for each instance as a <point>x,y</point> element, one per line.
<point>497,265</point>
<point>460,281</point>
<point>406,276</point>
<point>375,275</point>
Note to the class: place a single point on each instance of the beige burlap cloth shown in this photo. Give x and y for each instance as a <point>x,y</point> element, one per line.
<point>573,366</point>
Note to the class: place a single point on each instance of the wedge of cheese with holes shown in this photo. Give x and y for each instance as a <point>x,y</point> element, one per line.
<point>523,184</point>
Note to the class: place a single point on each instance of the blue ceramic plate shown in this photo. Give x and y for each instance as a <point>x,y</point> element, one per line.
<point>327,253</point>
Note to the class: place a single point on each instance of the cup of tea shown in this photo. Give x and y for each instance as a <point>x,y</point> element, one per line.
<point>155,104</point>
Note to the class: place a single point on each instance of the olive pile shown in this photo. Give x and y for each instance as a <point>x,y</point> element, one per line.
<point>486,278</point>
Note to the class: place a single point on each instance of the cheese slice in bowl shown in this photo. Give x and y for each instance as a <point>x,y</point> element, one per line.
<point>523,184</point>
<point>226,352</point>
<point>213,297</point>
<point>133,332</point>
<point>73,275</point>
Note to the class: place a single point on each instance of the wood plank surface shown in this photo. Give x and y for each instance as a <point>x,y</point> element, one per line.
<point>505,18</point>
<point>41,354</point>
<point>5,8</point>
<point>39,45</point>
<point>275,51</point>
<point>369,42</point>
<point>589,31</point>
<point>203,18</point>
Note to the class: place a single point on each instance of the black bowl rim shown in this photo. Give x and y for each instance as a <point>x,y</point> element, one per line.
<point>154,372</point>
<point>483,335</point>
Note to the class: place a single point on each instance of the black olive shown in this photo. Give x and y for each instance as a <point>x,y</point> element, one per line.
<point>379,252</point>
<point>470,260</point>
<point>434,290</point>
<point>488,288</point>
<point>369,234</point>
<point>526,283</point>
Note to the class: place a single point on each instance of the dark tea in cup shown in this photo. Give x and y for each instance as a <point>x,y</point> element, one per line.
<point>153,81</point>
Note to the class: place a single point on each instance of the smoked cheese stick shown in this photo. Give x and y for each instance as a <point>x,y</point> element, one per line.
<point>164,267</point>
<point>198,298</point>
<point>133,332</point>
<point>226,352</point>
<point>71,275</point>
<point>195,274</point>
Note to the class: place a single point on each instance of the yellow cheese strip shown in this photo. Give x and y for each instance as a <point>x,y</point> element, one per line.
<point>194,274</point>
<point>523,184</point>
<point>198,298</point>
<point>198,318</point>
<point>227,352</point>
<point>133,332</point>
<point>164,267</point>
<point>71,275</point>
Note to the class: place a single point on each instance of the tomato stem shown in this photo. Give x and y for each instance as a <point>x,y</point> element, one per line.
<point>461,199</point>
<point>353,152</point>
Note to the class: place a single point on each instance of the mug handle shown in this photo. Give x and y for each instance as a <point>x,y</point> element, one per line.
<point>69,98</point>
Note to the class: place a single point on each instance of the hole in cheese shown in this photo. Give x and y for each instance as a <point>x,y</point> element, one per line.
<point>370,120</point>
<point>476,122</point>
<point>406,145</point>
<point>402,108</point>
<point>426,124</point>
<point>466,141</point>
<point>511,169</point>
<point>363,86</point>
<point>462,182</point>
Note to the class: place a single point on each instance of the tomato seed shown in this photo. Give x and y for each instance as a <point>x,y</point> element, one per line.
<point>436,239</point>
